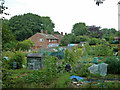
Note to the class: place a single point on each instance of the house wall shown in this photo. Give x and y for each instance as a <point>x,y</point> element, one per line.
<point>37,43</point>
<point>41,44</point>
<point>59,39</point>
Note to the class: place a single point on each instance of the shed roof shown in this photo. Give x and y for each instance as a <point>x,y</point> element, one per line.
<point>35,55</point>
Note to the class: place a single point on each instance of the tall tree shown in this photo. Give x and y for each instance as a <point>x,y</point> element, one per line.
<point>79,29</point>
<point>94,31</point>
<point>109,34</point>
<point>8,39</point>
<point>28,24</point>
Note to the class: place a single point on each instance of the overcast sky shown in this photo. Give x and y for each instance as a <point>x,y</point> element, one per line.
<point>65,13</point>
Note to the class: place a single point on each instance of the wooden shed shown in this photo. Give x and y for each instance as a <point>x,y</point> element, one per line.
<point>35,61</point>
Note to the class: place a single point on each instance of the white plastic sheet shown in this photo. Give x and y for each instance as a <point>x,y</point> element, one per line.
<point>99,68</point>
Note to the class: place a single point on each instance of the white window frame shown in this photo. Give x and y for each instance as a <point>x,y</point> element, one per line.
<point>41,40</point>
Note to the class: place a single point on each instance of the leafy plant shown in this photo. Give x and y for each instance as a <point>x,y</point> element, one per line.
<point>24,45</point>
<point>18,57</point>
<point>113,64</point>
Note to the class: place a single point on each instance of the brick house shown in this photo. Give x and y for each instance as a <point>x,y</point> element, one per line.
<point>44,40</point>
<point>59,36</point>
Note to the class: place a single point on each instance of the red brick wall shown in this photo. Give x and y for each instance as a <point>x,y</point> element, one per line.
<point>37,44</point>
<point>36,39</point>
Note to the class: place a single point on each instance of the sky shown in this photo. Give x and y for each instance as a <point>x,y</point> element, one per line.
<point>65,13</point>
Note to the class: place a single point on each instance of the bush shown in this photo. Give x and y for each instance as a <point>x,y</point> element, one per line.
<point>81,69</point>
<point>7,81</point>
<point>113,65</point>
<point>5,63</point>
<point>63,81</point>
<point>50,71</point>
<point>24,45</point>
<point>18,57</point>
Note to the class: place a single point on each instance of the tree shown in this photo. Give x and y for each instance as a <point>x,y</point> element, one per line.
<point>28,24</point>
<point>79,29</point>
<point>94,41</point>
<point>94,31</point>
<point>111,31</point>
<point>24,45</point>
<point>79,39</point>
<point>8,39</point>
<point>65,41</point>
<point>109,34</point>
<point>70,38</point>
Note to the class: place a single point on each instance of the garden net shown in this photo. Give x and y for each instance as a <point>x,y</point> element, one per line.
<point>100,68</point>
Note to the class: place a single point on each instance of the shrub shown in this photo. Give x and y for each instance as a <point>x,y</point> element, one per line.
<point>18,57</point>
<point>63,81</point>
<point>81,69</point>
<point>50,71</point>
<point>113,65</point>
<point>79,52</point>
<point>7,81</point>
<point>66,55</point>
<point>5,63</point>
<point>24,45</point>
<point>87,48</point>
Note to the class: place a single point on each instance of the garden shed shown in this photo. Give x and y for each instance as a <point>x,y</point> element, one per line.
<point>35,61</point>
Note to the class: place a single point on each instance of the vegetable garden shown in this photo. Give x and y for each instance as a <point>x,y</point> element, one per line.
<point>54,75</point>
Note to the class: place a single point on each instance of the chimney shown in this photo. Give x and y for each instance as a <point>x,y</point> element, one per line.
<point>46,32</point>
<point>65,33</point>
<point>62,33</point>
<point>41,31</point>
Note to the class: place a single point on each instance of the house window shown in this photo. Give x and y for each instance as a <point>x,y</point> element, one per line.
<point>41,40</point>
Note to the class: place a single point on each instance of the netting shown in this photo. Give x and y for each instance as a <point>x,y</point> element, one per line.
<point>59,54</point>
<point>99,68</point>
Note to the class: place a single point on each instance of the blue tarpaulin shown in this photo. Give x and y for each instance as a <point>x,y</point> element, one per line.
<point>6,58</point>
<point>77,77</point>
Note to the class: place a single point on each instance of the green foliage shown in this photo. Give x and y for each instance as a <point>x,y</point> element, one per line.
<point>79,39</point>
<point>8,39</point>
<point>5,63</point>
<point>71,58</point>
<point>18,57</point>
<point>50,71</point>
<point>103,50</point>
<point>87,48</point>
<point>81,69</point>
<point>109,32</point>
<point>24,26</point>
<point>66,55</point>
<point>94,32</point>
<point>7,82</point>
<point>65,41</point>
<point>32,77</point>
<point>70,38</point>
<point>113,64</point>
<point>80,29</point>
<point>79,52</point>
<point>94,41</point>
<point>24,45</point>
<point>63,81</point>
